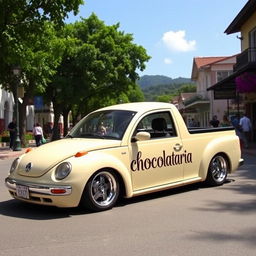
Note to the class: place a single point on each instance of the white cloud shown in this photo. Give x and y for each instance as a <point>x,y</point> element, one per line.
<point>176,41</point>
<point>167,61</point>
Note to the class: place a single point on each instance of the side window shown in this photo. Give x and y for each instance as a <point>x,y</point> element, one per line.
<point>158,124</point>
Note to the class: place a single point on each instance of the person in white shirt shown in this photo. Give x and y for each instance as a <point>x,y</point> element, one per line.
<point>38,133</point>
<point>246,126</point>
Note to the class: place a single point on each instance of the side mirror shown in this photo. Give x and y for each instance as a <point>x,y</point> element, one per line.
<point>140,136</point>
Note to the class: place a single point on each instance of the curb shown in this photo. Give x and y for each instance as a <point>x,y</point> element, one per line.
<point>11,154</point>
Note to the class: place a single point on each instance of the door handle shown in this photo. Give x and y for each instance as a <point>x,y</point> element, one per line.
<point>177,147</point>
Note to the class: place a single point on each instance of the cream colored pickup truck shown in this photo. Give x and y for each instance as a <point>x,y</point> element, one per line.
<point>123,150</point>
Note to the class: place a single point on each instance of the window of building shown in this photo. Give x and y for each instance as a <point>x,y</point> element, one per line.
<point>223,74</point>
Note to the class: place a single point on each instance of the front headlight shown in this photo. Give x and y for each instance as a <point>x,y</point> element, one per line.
<point>14,165</point>
<point>63,170</point>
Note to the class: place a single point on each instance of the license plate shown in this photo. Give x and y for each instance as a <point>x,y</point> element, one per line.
<point>22,191</point>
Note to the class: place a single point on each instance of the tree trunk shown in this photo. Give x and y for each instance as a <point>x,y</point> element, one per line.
<point>65,120</point>
<point>22,123</point>
<point>76,115</point>
<point>56,130</point>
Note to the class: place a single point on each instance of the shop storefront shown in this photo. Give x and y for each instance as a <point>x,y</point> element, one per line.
<point>241,87</point>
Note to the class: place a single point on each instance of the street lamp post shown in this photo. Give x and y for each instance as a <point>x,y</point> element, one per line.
<point>17,142</point>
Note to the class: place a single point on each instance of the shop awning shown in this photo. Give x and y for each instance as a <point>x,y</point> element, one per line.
<point>226,88</point>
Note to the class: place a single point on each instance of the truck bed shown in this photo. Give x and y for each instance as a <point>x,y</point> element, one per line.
<point>194,130</point>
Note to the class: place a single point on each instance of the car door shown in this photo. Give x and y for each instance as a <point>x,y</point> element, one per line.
<point>155,161</point>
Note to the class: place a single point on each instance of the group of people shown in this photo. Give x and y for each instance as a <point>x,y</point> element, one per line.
<point>216,123</point>
<point>243,126</point>
<point>37,132</point>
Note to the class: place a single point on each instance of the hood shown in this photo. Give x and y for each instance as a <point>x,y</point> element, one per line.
<point>43,158</point>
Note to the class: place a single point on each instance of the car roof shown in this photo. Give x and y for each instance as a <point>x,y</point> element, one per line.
<point>139,106</point>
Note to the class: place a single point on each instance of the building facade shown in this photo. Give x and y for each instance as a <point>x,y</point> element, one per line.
<point>242,82</point>
<point>206,71</point>
<point>34,114</point>
<point>6,109</point>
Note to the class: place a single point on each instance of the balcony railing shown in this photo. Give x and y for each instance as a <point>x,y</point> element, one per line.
<point>246,57</point>
<point>195,98</point>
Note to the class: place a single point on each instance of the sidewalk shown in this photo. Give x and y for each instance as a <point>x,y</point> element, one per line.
<point>6,152</point>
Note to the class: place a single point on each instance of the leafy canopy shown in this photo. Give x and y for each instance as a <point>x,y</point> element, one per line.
<point>101,62</point>
<point>22,36</point>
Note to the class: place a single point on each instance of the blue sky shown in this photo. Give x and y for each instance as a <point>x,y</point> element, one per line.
<point>172,31</point>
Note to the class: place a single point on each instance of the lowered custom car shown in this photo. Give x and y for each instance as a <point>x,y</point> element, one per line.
<point>123,151</point>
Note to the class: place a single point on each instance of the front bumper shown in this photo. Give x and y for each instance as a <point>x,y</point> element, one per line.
<point>42,189</point>
<point>39,193</point>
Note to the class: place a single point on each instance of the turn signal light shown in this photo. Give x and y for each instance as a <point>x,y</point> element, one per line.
<point>28,150</point>
<point>58,191</point>
<point>81,153</point>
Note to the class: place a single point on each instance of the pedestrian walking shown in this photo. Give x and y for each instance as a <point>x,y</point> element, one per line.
<point>12,128</point>
<point>238,130</point>
<point>38,134</point>
<point>246,127</point>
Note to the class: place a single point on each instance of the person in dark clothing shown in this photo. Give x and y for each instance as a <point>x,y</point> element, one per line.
<point>12,128</point>
<point>214,122</point>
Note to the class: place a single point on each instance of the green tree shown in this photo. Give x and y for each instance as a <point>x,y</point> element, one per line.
<point>27,39</point>
<point>101,64</point>
<point>166,92</point>
<point>164,98</point>
<point>21,21</point>
<point>187,88</point>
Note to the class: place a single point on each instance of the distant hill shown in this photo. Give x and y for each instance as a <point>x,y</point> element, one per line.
<point>155,86</point>
<point>155,80</point>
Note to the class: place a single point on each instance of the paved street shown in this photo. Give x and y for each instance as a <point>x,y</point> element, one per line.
<point>195,220</point>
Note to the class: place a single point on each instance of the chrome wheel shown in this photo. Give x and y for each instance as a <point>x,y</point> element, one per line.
<point>101,191</point>
<point>218,170</point>
<point>103,188</point>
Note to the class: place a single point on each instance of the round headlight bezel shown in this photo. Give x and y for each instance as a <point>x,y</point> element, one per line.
<point>63,170</point>
<point>14,165</point>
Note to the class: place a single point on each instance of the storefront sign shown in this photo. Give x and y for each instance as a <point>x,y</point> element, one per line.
<point>38,102</point>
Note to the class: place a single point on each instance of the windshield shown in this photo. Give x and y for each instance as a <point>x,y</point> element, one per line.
<point>109,124</point>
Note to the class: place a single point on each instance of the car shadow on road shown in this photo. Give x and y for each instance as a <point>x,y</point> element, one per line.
<point>161,194</point>
<point>18,209</point>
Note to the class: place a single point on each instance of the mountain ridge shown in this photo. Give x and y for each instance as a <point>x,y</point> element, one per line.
<point>147,81</point>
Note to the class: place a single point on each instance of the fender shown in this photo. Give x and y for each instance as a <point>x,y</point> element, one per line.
<point>96,160</point>
<point>227,146</point>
